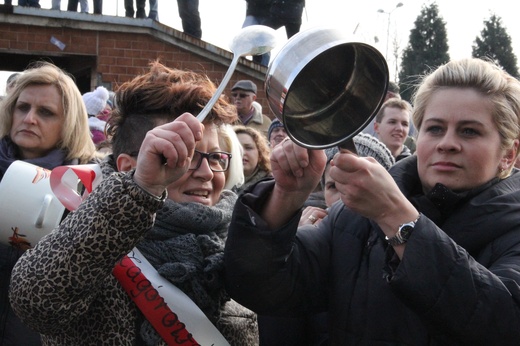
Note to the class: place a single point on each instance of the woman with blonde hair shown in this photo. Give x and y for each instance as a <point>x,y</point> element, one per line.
<point>43,121</point>
<point>427,253</point>
<point>229,142</point>
<point>62,117</point>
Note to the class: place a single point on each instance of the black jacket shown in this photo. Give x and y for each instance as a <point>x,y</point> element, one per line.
<point>404,153</point>
<point>12,331</point>
<point>458,282</point>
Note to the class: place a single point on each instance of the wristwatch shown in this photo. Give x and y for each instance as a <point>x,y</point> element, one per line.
<point>403,233</point>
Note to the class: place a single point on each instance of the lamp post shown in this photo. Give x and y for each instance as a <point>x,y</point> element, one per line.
<point>400,4</point>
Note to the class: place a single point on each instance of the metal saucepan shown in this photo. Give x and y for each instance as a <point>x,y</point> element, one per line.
<point>325,89</point>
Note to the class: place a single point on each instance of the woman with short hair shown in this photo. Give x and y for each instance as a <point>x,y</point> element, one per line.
<point>162,195</point>
<point>425,254</point>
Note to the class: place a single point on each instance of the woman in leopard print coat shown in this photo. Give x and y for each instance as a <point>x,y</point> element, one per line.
<point>65,288</point>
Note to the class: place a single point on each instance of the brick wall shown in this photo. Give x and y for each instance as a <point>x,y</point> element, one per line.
<point>118,51</point>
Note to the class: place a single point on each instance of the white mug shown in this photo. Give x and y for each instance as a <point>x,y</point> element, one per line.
<point>28,207</point>
<point>33,199</point>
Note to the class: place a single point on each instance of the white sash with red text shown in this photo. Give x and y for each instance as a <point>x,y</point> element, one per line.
<point>171,312</point>
<point>177,319</point>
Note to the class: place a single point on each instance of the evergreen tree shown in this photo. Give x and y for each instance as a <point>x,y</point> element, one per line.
<point>495,44</point>
<point>427,49</point>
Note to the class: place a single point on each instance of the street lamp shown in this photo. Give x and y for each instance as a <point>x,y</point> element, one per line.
<point>400,4</point>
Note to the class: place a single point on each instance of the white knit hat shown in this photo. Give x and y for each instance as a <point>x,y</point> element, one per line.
<point>96,100</point>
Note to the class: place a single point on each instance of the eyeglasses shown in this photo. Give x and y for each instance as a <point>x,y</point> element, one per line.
<point>218,161</point>
<point>239,95</point>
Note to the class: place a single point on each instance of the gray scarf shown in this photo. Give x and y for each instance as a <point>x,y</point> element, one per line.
<point>186,246</point>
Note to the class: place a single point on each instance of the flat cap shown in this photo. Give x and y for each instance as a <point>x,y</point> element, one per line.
<point>246,85</point>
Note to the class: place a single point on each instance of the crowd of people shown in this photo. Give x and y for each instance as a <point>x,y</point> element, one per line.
<point>413,240</point>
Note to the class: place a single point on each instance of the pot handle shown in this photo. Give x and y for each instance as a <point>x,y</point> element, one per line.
<point>348,145</point>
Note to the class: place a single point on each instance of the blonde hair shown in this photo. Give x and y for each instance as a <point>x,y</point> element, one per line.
<point>229,142</point>
<point>75,135</point>
<point>501,89</point>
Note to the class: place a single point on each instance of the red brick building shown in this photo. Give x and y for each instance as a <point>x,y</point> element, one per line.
<point>109,50</point>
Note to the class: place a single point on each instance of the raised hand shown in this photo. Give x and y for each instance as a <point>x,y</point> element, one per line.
<point>367,188</point>
<point>166,153</point>
<point>297,171</point>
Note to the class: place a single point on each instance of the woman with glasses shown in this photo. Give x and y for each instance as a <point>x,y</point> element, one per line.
<point>162,196</point>
<point>255,155</point>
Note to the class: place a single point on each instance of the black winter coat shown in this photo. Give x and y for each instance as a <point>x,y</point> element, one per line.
<point>457,284</point>
<point>12,331</point>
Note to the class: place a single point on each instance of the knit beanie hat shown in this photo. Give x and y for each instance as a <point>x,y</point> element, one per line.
<point>274,124</point>
<point>366,145</point>
<point>96,100</point>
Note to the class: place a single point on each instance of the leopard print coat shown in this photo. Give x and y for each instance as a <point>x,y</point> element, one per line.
<point>64,286</point>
